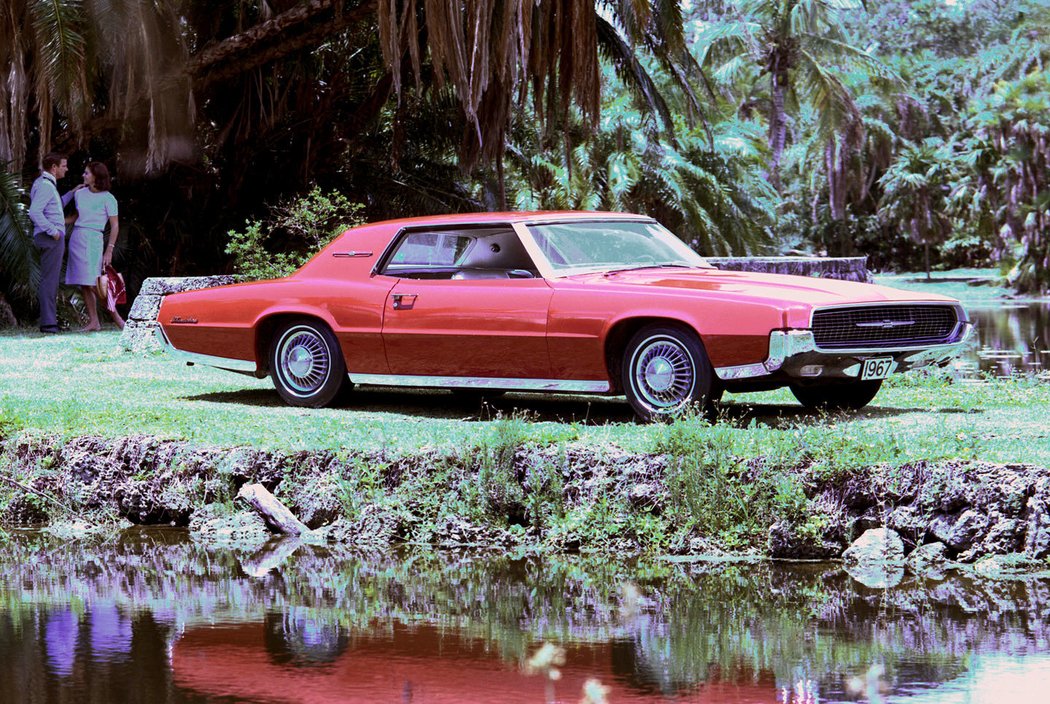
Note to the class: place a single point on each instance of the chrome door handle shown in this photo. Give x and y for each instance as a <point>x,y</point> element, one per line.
<point>404,301</point>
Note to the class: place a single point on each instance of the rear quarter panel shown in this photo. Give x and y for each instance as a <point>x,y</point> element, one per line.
<point>233,321</point>
<point>230,321</point>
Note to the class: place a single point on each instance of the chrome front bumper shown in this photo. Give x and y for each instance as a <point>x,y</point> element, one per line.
<point>794,353</point>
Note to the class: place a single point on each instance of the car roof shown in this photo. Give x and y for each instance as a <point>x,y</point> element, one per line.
<point>536,216</point>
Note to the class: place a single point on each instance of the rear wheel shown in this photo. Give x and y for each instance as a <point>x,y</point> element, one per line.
<point>665,369</point>
<point>306,364</point>
<point>837,396</point>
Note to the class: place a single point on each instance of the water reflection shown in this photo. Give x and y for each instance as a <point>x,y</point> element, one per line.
<point>1012,338</point>
<point>155,617</point>
<point>60,640</point>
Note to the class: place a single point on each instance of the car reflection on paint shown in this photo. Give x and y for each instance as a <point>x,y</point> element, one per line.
<point>600,303</point>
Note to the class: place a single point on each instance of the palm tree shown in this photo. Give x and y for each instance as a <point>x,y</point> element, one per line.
<point>915,192</point>
<point>55,53</point>
<point>133,70</point>
<point>714,199</point>
<point>496,54</point>
<point>1008,185</point>
<point>802,47</point>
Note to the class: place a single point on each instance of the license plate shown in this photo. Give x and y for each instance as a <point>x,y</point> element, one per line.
<point>877,368</point>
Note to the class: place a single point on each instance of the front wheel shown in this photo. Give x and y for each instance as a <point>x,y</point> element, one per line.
<point>306,364</point>
<point>837,396</point>
<point>665,369</point>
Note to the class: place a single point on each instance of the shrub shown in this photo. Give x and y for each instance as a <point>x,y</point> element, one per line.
<point>293,232</point>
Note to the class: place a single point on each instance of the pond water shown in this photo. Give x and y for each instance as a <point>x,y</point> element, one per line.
<point>152,616</point>
<point>1012,338</point>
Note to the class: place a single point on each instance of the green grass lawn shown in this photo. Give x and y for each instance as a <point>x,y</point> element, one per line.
<point>80,384</point>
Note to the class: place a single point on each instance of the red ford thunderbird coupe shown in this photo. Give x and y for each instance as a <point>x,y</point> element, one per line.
<point>598,303</point>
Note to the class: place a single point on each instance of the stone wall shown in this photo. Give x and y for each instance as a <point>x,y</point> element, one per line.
<point>138,335</point>
<point>141,325</point>
<point>845,268</point>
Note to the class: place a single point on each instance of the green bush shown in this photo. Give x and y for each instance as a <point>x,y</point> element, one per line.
<point>293,232</point>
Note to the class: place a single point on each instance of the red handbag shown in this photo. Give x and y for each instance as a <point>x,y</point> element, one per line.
<point>110,288</point>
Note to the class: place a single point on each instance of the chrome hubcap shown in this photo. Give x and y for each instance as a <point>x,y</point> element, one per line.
<point>664,373</point>
<point>300,361</point>
<point>304,360</point>
<point>659,374</point>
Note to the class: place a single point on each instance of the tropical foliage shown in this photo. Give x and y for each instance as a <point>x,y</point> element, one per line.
<point>799,49</point>
<point>915,192</point>
<point>894,129</point>
<point>707,187</point>
<point>1008,182</point>
<point>19,272</point>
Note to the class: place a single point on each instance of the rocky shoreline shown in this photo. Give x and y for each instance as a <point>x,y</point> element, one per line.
<point>921,516</point>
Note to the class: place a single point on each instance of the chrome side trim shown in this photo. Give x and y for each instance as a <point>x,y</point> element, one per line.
<point>234,365</point>
<point>474,382</point>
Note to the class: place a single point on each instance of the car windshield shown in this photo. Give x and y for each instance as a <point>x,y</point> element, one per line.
<point>611,245</point>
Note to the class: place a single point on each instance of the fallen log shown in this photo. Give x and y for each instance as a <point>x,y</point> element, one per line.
<point>276,514</point>
<point>270,557</point>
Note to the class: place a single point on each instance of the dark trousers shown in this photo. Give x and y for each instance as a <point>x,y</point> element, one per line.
<point>50,267</point>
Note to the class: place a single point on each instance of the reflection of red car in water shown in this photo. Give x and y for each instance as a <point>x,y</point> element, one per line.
<point>421,664</point>
<point>557,302</point>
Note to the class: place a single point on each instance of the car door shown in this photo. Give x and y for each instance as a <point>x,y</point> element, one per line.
<point>456,313</point>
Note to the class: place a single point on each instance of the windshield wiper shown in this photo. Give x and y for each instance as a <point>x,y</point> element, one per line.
<point>668,265</point>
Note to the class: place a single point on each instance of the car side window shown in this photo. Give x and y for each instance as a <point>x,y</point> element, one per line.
<point>429,249</point>
<point>479,253</point>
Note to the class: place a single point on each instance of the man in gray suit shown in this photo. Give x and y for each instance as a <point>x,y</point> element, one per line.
<point>49,231</point>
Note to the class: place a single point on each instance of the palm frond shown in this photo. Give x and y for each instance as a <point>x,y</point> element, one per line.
<point>58,32</point>
<point>17,254</point>
<point>631,71</point>
<point>807,16</point>
<point>730,72</point>
<point>734,37</point>
<point>834,48</point>
<point>621,177</point>
<point>830,97</point>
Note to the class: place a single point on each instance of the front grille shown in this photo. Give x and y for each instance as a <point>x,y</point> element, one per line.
<point>884,326</point>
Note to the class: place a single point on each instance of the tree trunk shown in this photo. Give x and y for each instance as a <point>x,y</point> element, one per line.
<point>777,122</point>
<point>291,31</point>
<point>926,256</point>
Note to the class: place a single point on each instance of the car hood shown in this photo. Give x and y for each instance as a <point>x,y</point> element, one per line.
<point>778,288</point>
